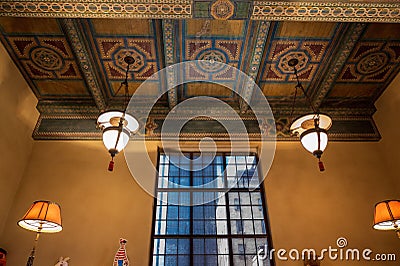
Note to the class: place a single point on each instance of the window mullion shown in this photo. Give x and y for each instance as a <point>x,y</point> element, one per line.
<point>191,210</point>
<point>228,214</point>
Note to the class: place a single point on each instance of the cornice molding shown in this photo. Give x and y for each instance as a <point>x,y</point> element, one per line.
<point>332,11</point>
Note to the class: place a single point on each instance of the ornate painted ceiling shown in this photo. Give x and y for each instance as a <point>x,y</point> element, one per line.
<point>71,54</point>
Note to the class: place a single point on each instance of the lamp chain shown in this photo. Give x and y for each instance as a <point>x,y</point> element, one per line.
<point>300,86</point>
<point>125,85</point>
<point>121,120</point>
<point>294,101</point>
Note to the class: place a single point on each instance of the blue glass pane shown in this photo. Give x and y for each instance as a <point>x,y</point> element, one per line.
<point>173,181</point>
<point>199,260</point>
<point>208,171</point>
<point>184,198</point>
<point>172,212</point>
<point>210,197</point>
<point>209,212</point>
<point>197,198</point>
<point>172,228</point>
<point>198,227</point>
<point>185,181</point>
<point>173,170</point>
<point>240,159</point>
<point>170,261</point>
<point>211,260</point>
<point>211,246</point>
<point>184,172</point>
<point>184,212</point>
<point>197,181</point>
<point>209,182</point>
<point>211,228</point>
<point>184,227</point>
<point>197,173</point>
<point>171,246</point>
<point>183,246</point>
<point>198,212</point>
<point>230,160</point>
<point>183,260</point>
<point>198,246</point>
<point>218,160</point>
<point>173,198</point>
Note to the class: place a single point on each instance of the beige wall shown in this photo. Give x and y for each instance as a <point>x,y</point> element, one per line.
<point>387,121</point>
<point>18,116</point>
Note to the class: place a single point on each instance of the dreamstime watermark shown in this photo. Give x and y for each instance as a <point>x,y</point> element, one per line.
<point>142,167</point>
<point>339,252</point>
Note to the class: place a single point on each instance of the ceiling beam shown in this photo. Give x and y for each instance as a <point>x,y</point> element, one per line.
<point>80,127</point>
<point>347,44</point>
<point>254,64</point>
<point>168,28</point>
<point>75,37</point>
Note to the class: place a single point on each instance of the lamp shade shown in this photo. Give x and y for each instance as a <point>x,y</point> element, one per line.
<point>117,127</point>
<point>387,215</point>
<point>306,122</point>
<point>309,139</point>
<point>43,216</point>
<point>111,118</point>
<point>111,140</point>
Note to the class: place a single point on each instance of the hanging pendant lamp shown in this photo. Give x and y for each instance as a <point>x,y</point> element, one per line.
<point>311,128</point>
<point>117,126</point>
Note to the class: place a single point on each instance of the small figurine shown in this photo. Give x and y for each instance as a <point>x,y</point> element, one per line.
<point>121,259</point>
<point>62,261</point>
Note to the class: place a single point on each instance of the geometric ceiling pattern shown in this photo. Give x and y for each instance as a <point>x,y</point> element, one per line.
<point>71,54</point>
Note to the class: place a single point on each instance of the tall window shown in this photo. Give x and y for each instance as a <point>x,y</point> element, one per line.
<point>209,211</point>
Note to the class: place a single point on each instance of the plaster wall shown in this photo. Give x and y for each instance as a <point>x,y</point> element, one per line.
<point>18,117</point>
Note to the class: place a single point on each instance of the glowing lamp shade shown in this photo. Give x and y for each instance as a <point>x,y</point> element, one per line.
<point>310,141</point>
<point>387,215</point>
<point>112,141</point>
<point>42,216</point>
<point>111,118</point>
<point>117,127</point>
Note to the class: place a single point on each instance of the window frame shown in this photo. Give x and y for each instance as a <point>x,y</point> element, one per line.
<point>229,236</point>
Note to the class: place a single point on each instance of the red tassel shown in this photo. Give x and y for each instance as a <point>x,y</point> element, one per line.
<point>111,166</point>
<point>321,166</point>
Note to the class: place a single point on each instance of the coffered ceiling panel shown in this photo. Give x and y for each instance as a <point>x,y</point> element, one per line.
<point>370,67</point>
<point>313,44</point>
<point>212,41</point>
<point>42,52</point>
<point>112,40</point>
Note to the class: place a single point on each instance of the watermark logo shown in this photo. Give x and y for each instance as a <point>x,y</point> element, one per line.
<point>334,253</point>
<point>140,164</point>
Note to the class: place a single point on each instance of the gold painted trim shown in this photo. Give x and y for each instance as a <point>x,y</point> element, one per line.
<point>332,11</point>
<point>155,9</point>
<point>326,11</point>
